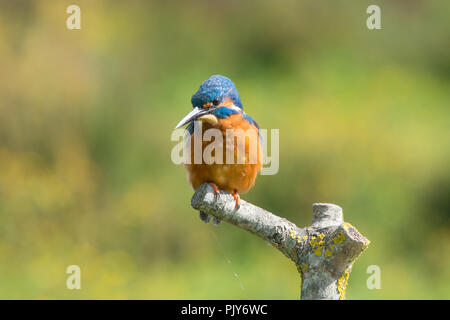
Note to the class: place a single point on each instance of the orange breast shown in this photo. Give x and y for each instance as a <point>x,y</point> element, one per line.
<point>245,150</point>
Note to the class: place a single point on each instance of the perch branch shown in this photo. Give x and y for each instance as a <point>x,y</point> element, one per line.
<point>324,252</point>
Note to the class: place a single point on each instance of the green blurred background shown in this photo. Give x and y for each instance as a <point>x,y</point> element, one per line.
<point>86,117</point>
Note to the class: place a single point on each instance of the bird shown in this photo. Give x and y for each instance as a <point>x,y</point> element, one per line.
<point>217,105</point>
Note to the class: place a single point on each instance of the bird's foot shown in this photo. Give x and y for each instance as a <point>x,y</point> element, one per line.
<point>206,218</point>
<point>237,199</point>
<point>215,187</point>
<point>216,190</point>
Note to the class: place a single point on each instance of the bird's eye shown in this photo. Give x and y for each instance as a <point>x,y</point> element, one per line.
<point>216,102</point>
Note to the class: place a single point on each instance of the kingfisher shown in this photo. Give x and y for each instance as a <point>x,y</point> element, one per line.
<point>217,105</point>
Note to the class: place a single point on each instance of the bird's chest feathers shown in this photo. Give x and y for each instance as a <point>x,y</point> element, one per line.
<point>229,141</point>
<point>225,129</point>
<point>230,152</point>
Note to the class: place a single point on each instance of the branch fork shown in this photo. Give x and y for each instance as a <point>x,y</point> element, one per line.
<point>323,252</point>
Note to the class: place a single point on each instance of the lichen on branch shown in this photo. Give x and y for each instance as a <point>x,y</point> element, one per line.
<point>323,252</point>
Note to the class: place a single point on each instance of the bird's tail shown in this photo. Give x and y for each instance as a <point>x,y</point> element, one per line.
<point>206,218</point>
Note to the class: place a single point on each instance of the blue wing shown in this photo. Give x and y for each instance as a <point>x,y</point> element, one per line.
<point>252,121</point>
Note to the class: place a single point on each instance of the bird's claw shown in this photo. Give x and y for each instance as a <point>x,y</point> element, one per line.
<point>216,189</point>
<point>206,218</point>
<point>237,199</point>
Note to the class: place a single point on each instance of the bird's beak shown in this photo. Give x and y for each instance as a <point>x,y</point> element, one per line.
<point>191,116</point>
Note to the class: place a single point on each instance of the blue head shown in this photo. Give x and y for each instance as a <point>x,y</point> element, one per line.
<point>213,93</point>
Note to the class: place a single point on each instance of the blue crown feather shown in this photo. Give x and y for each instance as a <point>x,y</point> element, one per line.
<point>218,88</point>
